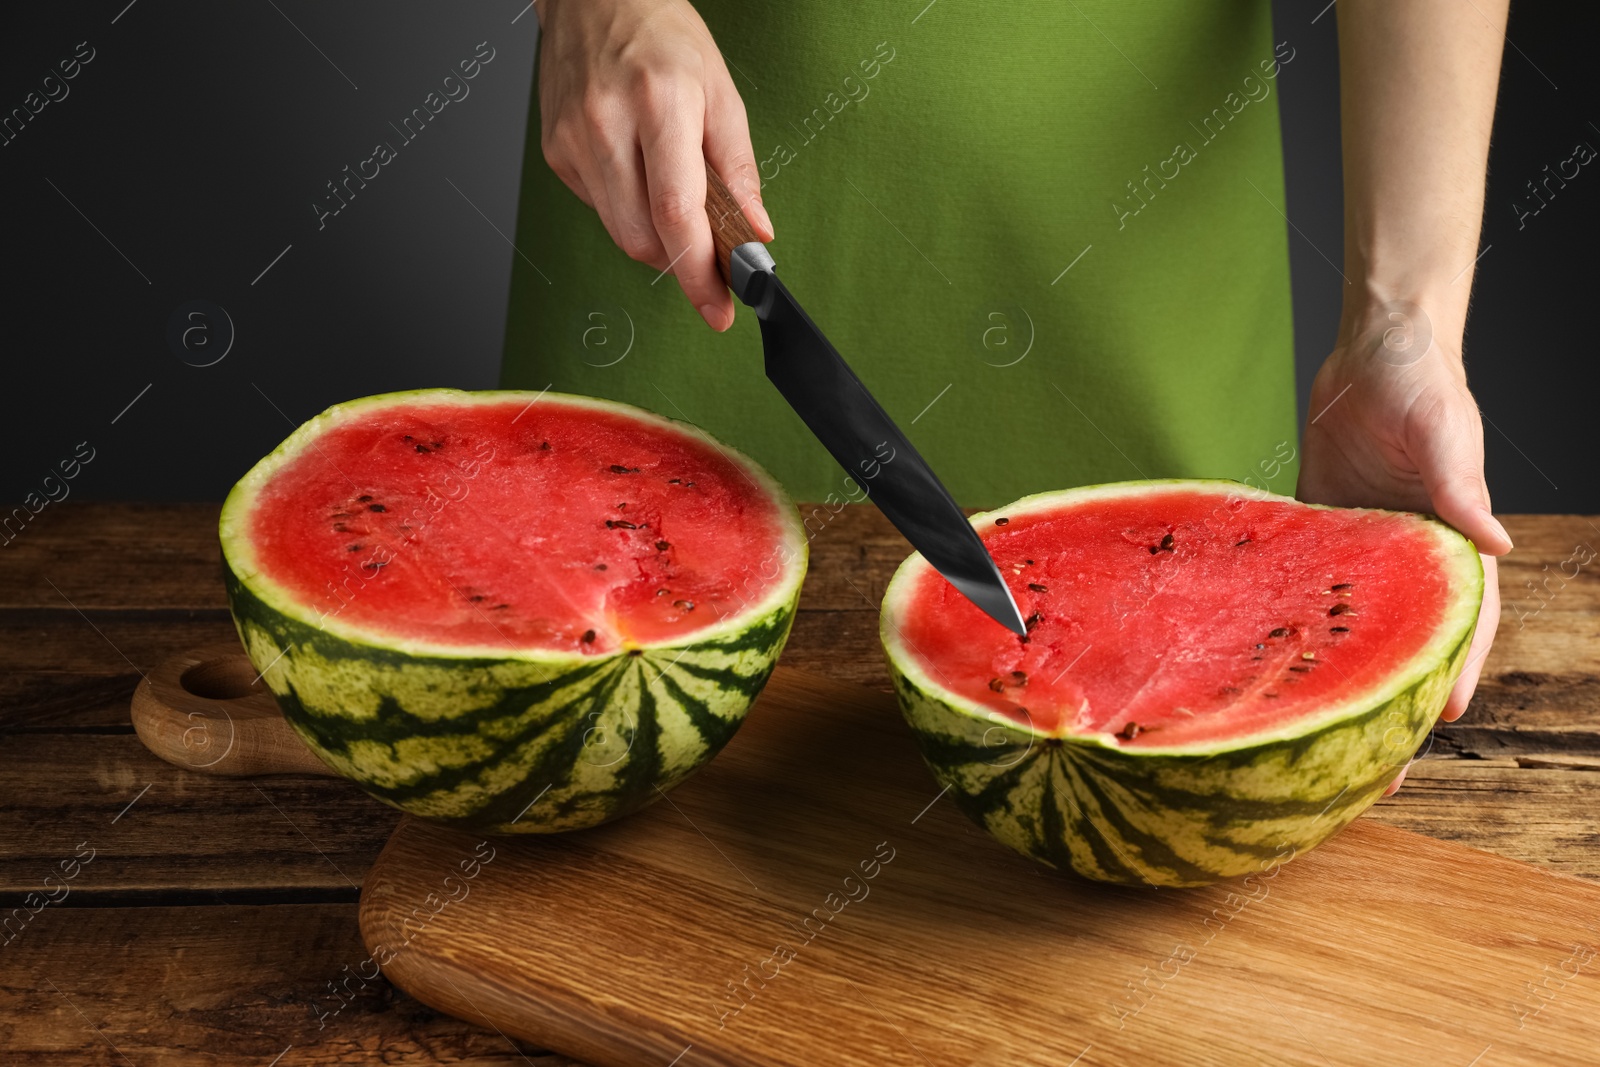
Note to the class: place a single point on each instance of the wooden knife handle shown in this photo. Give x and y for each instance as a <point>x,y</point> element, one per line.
<point>729,227</point>
<point>207,710</point>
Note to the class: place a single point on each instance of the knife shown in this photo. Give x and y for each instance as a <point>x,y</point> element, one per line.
<point>852,426</point>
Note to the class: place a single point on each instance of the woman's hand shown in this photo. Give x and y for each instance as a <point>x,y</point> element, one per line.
<point>1393,425</point>
<point>634,100</point>
<point>1392,422</point>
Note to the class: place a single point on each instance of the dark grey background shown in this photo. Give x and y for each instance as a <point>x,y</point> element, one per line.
<point>189,151</point>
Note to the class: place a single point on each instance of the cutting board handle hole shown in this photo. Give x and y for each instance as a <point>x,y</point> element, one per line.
<point>224,678</point>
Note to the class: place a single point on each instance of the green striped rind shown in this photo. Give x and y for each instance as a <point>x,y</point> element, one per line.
<point>525,741</point>
<point>1179,816</point>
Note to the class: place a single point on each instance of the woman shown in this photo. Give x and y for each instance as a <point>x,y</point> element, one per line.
<point>1048,236</point>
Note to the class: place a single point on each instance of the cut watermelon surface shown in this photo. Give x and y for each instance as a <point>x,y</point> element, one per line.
<point>519,612</point>
<point>1205,666</point>
<point>560,524</point>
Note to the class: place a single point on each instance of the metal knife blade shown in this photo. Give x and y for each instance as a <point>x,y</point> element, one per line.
<point>817,382</point>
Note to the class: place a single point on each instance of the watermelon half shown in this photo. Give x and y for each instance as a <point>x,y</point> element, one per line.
<point>1214,678</point>
<point>518,612</point>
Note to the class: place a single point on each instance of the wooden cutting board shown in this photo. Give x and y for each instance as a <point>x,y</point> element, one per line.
<point>810,898</point>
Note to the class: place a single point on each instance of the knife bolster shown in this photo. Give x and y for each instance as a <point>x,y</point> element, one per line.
<point>749,265</point>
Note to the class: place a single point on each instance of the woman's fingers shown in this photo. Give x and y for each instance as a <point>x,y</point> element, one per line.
<point>1448,453</point>
<point>728,151</point>
<point>1488,622</point>
<point>620,164</point>
<point>1394,786</point>
<point>671,136</point>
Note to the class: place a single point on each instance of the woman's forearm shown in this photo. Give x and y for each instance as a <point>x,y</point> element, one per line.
<point>1418,80</point>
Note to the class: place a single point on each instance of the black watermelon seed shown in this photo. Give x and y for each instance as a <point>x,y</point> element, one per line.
<point>500,607</point>
<point>354,548</point>
<point>674,481</point>
<point>619,523</point>
<point>588,637</point>
<point>1037,588</point>
<point>420,448</point>
<point>662,546</point>
<point>1027,563</point>
<point>341,527</point>
<point>997,685</point>
<point>478,598</point>
<point>373,564</point>
<point>688,483</point>
<point>1154,550</point>
<point>376,507</point>
<point>1342,585</point>
<point>1166,543</point>
<point>599,566</point>
<point>1130,731</point>
<point>617,468</point>
<point>1279,632</point>
<point>1338,609</point>
<point>1019,678</point>
<point>407,437</point>
<point>363,499</point>
<point>1254,658</point>
<point>1246,541</point>
<point>661,592</point>
<point>1338,629</point>
<point>1273,696</point>
<point>544,446</point>
<point>686,605</point>
<point>1001,522</point>
<point>1300,670</point>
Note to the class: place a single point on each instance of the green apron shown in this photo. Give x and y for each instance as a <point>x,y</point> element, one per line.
<point>1048,236</point>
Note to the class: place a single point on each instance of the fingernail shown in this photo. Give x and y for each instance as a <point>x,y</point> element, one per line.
<point>762,218</point>
<point>1502,530</point>
<point>713,318</point>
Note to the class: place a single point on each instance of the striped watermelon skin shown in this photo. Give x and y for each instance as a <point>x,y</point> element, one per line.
<point>528,742</point>
<point>1168,818</point>
<point>510,745</point>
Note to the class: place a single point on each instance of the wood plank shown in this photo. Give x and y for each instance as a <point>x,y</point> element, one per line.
<point>155,830</point>
<point>215,986</point>
<point>115,556</point>
<point>677,910</point>
<point>60,670</point>
<point>1540,815</point>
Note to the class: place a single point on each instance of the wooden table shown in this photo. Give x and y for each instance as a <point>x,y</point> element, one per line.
<point>212,921</point>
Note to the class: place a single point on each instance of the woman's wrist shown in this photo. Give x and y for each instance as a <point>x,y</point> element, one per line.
<point>1399,314</point>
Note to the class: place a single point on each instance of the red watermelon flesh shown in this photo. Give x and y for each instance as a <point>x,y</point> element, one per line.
<point>1176,617</point>
<point>562,524</point>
